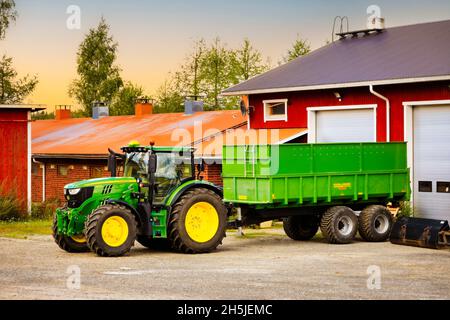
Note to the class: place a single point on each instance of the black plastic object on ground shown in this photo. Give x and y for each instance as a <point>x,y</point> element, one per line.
<point>426,233</point>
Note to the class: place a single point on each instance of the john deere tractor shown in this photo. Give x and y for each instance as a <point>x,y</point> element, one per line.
<point>159,201</point>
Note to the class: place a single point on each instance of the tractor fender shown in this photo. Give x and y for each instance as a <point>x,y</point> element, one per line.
<point>127,205</point>
<point>193,185</point>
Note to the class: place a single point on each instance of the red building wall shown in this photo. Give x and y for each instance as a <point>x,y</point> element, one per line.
<point>14,152</point>
<point>397,94</point>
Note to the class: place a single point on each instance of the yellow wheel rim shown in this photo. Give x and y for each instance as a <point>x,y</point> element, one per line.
<point>79,238</point>
<point>202,222</point>
<point>115,231</point>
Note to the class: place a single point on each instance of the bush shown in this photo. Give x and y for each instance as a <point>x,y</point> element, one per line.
<point>11,208</point>
<point>44,210</point>
<point>406,210</point>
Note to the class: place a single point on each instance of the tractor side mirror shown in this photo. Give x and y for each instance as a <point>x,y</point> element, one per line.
<point>152,163</point>
<point>112,164</point>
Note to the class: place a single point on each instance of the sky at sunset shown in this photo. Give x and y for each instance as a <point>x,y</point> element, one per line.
<point>154,36</point>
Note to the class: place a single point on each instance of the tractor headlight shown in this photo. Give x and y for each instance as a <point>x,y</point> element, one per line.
<point>74,192</point>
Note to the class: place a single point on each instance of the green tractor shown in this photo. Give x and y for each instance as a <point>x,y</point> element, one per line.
<point>159,201</point>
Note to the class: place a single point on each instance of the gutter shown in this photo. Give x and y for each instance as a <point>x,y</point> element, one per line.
<point>43,177</point>
<point>388,112</point>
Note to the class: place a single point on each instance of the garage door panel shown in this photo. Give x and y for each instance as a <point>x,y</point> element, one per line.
<point>431,160</point>
<point>345,126</point>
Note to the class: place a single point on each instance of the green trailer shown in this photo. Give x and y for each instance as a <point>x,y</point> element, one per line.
<point>318,185</point>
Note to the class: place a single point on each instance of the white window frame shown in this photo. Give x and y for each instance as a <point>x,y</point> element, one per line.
<point>408,121</point>
<point>268,117</point>
<point>312,118</point>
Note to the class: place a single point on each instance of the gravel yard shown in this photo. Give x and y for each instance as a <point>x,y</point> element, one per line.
<point>263,265</point>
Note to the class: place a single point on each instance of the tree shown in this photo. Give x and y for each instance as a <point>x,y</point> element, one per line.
<point>99,77</point>
<point>218,73</point>
<point>189,80</point>
<point>14,90</point>
<point>8,14</point>
<point>168,98</point>
<point>124,100</point>
<point>301,47</point>
<point>247,62</point>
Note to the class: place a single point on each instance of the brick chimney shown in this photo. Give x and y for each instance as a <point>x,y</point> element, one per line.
<point>63,112</point>
<point>143,107</point>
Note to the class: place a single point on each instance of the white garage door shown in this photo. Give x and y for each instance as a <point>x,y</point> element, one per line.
<point>432,161</point>
<point>355,125</point>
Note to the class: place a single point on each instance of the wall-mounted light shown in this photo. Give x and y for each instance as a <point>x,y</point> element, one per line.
<point>338,96</point>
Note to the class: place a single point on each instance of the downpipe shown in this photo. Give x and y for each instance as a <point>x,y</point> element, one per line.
<point>388,112</point>
<point>43,177</point>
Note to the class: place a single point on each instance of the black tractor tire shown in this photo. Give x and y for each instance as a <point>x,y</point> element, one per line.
<point>94,230</point>
<point>177,231</point>
<point>301,228</point>
<point>67,243</point>
<point>375,224</point>
<point>154,244</point>
<point>339,225</point>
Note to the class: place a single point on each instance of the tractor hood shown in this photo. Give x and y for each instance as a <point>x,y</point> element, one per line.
<point>100,181</point>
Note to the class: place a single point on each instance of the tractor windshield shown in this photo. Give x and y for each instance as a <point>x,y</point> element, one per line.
<point>171,169</point>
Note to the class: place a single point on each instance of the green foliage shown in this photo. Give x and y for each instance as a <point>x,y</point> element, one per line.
<point>42,115</point>
<point>14,90</point>
<point>300,48</point>
<point>406,210</point>
<point>8,14</point>
<point>10,207</point>
<point>44,210</point>
<point>124,100</point>
<point>99,77</point>
<point>206,72</point>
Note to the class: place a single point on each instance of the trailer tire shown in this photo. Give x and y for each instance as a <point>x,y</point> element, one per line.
<point>375,224</point>
<point>154,244</point>
<point>301,228</point>
<point>188,231</point>
<point>103,223</point>
<point>339,225</point>
<point>66,243</point>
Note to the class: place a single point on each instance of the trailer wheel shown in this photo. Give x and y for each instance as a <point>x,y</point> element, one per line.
<point>198,222</point>
<point>154,244</point>
<point>375,224</point>
<point>301,228</point>
<point>111,230</point>
<point>76,244</point>
<point>339,225</point>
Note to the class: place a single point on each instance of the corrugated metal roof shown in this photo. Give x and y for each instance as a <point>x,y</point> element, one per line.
<point>86,136</point>
<point>401,54</point>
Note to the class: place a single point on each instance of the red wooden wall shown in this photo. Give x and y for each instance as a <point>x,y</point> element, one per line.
<point>397,94</point>
<point>14,152</point>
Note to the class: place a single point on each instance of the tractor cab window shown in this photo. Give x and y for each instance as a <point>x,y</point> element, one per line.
<point>171,169</point>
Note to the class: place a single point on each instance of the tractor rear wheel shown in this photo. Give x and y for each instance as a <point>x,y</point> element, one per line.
<point>154,244</point>
<point>111,230</point>
<point>75,244</point>
<point>339,225</point>
<point>375,224</point>
<point>198,222</point>
<point>301,228</point>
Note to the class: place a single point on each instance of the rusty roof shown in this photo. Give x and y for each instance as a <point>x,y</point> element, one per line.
<point>87,137</point>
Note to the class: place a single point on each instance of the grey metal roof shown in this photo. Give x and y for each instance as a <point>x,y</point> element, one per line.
<point>414,53</point>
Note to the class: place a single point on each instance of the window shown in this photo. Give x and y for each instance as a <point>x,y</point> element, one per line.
<point>275,110</point>
<point>63,171</point>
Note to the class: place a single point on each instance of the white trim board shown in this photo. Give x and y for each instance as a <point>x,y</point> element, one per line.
<point>338,85</point>
<point>312,122</point>
<point>295,136</point>
<point>408,120</point>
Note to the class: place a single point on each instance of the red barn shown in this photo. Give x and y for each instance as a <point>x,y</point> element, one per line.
<point>15,151</point>
<point>376,85</point>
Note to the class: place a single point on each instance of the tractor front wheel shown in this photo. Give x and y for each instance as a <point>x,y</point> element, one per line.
<point>198,222</point>
<point>111,230</point>
<point>75,244</point>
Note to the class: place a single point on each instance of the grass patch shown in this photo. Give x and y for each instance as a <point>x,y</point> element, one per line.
<point>24,229</point>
